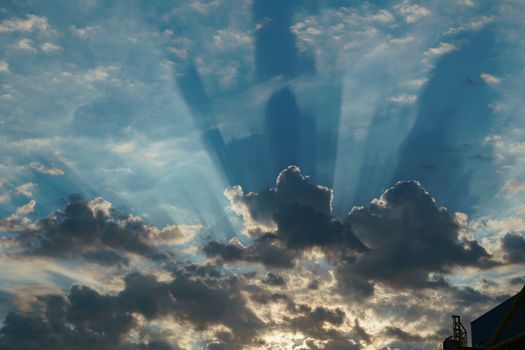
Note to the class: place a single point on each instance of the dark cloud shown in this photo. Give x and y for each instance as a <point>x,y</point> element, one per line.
<point>399,334</point>
<point>266,250</point>
<point>291,187</point>
<point>93,230</point>
<point>314,322</point>
<point>403,239</point>
<point>300,211</point>
<point>97,321</point>
<point>341,344</point>
<point>513,245</point>
<point>409,237</point>
<point>274,279</point>
<point>82,322</point>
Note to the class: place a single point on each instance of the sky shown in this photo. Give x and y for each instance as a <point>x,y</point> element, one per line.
<point>258,174</point>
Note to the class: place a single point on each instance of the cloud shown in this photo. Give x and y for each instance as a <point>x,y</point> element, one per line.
<point>25,45</point>
<point>26,189</point>
<point>412,12</point>
<point>489,79</point>
<point>30,23</point>
<point>4,67</point>
<point>402,239</point>
<point>97,74</point>
<point>196,295</point>
<point>403,99</point>
<point>274,279</point>
<point>409,238</point>
<point>27,208</point>
<point>50,47</point>
<point>124,147</point>
<point>442,49</point>
<point>285,221</point>
<point>45,170</point>
<point>382,16</point>
<point>513,246</point>
<point>313,322</point>
<point>93,230</point>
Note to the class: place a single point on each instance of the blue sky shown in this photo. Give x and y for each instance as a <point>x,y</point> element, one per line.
<point>161,117</point>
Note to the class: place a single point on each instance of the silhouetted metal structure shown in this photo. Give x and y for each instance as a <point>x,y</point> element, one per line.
<point>502,328</point>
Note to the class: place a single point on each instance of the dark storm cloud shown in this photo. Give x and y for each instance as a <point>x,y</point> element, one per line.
<point>96,321</point>
<point>266,250</point>
<point>519,281</point>
<point>400,239</point>
<point>513,245</point>
<point>301,211</point>
<point>409,237</point>
<point>312,322</point>
<point>274,279</point>
<point>61,324</point>
<point>92,230</point>
<point>291,187</point>
<point>404,337</point>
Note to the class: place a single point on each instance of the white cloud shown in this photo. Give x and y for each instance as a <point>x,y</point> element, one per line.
<point>4,198</point>
<point>27,208</point>
<point>26,189</point>
<point>44,170</point>
<point>25,44</point>
<point>403,99</point>
<point>31,23</point>
<point>411,12</point>
<point>96,74</point>
<point>4,67</point>
<point>489,79</point>
<point>468,3</point>
<point>50,47</point>
<point>441,49</point>
<point>514,186</point>
<point>474,25</point>
<point>124,147</point>
<point>85,32</point>
<point>417,83</point>
<point>313,31</point>
<point>382,16</point>
<point>516,148</point>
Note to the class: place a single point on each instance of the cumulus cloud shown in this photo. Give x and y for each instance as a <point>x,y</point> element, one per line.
<point>88,319</point>
<point>284,221</point>
<point>402,239</point>
<point>409,238</point>
<point>93,230</point>
<point>513,245</point>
